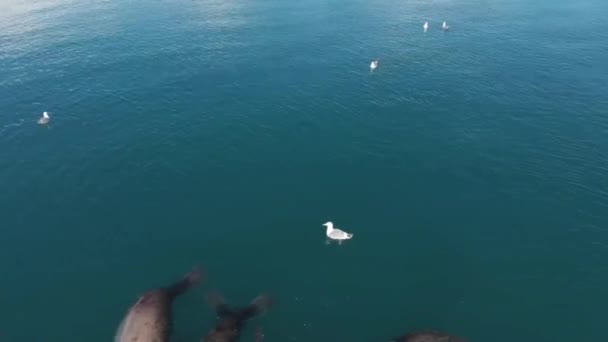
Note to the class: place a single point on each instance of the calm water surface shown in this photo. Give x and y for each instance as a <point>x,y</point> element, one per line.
<point>471,166</point>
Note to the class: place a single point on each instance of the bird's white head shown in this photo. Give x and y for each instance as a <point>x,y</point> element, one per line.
<point>328,224</point>
<point>45,114</point>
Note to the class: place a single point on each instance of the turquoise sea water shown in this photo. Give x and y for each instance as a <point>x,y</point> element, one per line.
<point>471,165</point>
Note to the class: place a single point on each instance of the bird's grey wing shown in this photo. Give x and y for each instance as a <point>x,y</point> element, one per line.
<point>337,233</point>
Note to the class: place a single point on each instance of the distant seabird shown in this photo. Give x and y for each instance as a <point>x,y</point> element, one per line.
<point>373,65</point>
<point>44,119</point>
<point>336,234</point>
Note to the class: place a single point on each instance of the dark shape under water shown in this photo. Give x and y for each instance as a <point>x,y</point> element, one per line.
<point>232,320</point>
<point>150,318</point>
<point>259,335</point>
<point>427,336</point>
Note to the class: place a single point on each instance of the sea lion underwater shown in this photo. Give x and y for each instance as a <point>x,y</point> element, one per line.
<point>259,335</point>
<point>427,336</point>
<point>232,320</point>
<point>149,319</point>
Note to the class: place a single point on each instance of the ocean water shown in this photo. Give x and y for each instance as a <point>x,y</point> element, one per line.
<point>470,166</point>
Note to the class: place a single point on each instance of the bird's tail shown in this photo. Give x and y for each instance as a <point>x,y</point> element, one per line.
<point>349,236</point>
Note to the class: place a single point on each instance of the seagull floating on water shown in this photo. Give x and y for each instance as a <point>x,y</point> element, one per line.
<point>426,26</point>
<point>445,26</point>
<point>336,234</point>
<point>44,119</point>
<point>373,65</point>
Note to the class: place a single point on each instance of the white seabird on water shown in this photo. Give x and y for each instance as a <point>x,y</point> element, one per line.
<point>336,234</point>
<point>425,26</point>
<point>445,26</point>
<point>373,65</point>
<point>44,119</point>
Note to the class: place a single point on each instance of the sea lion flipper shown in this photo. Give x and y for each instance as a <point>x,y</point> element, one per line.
<point>218,304</point>
<point>258,306</point>
<point>189,280</point>
<point>427,336</point>
<point>215,299</point>
<point>259,335</point>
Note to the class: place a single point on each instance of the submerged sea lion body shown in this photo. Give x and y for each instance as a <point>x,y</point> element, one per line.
<point>150,318</point>
<point>427,336</point>
<point>232,320</point>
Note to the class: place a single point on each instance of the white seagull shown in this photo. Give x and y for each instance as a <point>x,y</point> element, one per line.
<point>445,26</point>
<point>336,234</point>
<point>425,26</point>
<point>373,65</point>
<point>44,119</point>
